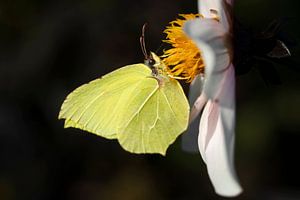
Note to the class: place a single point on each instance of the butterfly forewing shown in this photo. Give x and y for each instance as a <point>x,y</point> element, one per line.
<point>97,106</point>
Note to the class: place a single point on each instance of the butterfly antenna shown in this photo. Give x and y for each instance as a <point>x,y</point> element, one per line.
<point>142,42</point>
<point>149,61</point>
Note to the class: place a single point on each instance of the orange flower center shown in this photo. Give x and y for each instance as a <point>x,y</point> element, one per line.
<point>183,60</point>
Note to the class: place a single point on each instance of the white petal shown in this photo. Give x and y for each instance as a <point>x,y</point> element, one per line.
<point>189,138</point>
<point>216,138</point>
<point>210,38</point>
<point>219,157</point>
<point>205,7</point>
<point>208,7</point>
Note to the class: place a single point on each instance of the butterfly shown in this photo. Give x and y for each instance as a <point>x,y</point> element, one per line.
<point>140,105</point>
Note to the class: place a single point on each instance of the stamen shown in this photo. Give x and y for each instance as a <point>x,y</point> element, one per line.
<point>183,60</point>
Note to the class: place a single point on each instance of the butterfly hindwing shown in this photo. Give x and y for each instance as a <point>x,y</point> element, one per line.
<point>160,119</point>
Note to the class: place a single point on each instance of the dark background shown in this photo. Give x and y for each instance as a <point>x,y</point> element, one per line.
<point>48,48</point>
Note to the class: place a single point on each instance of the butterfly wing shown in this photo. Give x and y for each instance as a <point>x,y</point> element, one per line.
<point>97,106</point>
<point>160,118</point>
<point>145,114</point>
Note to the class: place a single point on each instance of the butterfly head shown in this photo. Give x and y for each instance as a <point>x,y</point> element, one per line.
<point>155,64</point>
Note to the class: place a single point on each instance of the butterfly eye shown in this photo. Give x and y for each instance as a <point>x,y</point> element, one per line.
<point>151,61</point>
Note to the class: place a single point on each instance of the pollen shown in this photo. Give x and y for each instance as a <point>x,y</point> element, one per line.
<point>183,60</point>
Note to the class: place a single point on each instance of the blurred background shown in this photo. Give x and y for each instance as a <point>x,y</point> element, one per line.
<point>48,48</point>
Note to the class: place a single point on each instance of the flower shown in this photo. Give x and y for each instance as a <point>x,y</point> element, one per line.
<point>214,90</point>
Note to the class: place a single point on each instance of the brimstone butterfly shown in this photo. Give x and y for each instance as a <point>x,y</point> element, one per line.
<point>139,105</point>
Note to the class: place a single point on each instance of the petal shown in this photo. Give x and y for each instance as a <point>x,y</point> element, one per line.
<point>210,37</point>
<point>189,139</point>
<point>197,107</point>
<point>205,7</point>
<point>217,9</point>
<point>196,98</point>
<point>207,126</point>
<point>216,138</point>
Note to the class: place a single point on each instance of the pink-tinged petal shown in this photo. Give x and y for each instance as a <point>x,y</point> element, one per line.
<point>219,157</point>
<point>207,127</point>
<point>197,107</point>
<point>189,138</point>
<point>210,37</point>
<point>197,99</point>
<point>217,9</point>
<point>216,138</point>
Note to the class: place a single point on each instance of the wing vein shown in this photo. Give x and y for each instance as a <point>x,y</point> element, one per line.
<point>85,108</point>
<point>169,105</point>
<point>140,108</point>
<point>157,119</point>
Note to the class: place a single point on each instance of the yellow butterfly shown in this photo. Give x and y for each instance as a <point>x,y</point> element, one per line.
<point>140,105</point>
